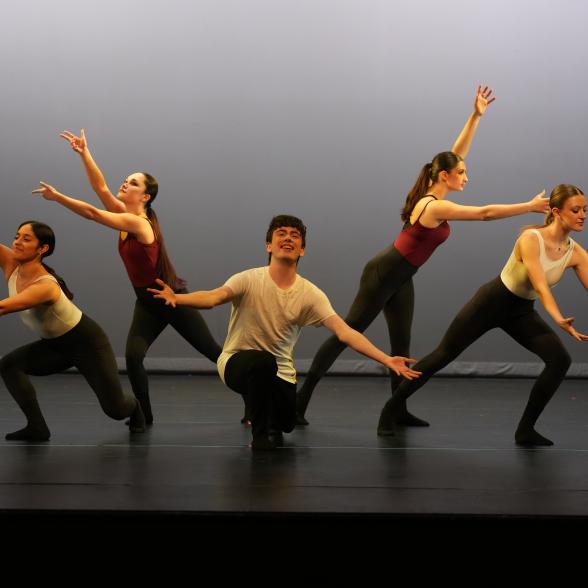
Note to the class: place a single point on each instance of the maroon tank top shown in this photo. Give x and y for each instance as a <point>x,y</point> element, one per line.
<point>140,260</point>
<point>417,243</point>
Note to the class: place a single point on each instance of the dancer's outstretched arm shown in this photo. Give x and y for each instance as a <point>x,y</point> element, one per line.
<point>464,140</point>
<point>41,292</point>
<point>363,345</point>
<point>442,210</point>
<point>95,176</point>
<point>528,245</point>
<point>124,221</point>
<point>199,299</point>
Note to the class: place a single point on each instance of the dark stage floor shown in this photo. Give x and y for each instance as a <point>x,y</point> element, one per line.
<point>195,461</point>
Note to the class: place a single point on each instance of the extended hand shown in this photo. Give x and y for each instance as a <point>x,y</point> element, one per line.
<point>398,365</point>
<point>78,144</point>
<point>483,99</point>
<point>48,192</point>
<point>166,293</point>
<point>566,325</point>
<point>540,203</point>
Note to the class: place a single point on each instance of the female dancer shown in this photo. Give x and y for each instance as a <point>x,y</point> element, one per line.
<point>68,337</point>
<point>386,282</point>
<point>143,252</point>
<point>537,262</point>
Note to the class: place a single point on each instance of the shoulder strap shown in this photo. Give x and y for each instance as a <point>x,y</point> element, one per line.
<point>425,207</point>
<point>47,277</point>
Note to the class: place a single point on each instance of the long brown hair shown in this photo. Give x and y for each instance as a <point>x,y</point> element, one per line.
<point>429,173</point>
<point>165,267</point>
<point>557,199</point>
<point>46,236</point>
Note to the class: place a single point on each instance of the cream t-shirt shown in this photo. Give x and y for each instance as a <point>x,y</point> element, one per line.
<point>267,318</point>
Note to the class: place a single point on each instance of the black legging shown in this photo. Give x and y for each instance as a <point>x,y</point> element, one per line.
<point>386,284</point>
<point>494,306</point>
<point>150,317</point>
<point>85,347</point>
<point>271,400</point>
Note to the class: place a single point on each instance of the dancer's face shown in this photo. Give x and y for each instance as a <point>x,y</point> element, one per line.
<point>286,244</point>
<point>455,179</point>
<point>26,246</point>
<point>132,190</point>
<point>573,213</point>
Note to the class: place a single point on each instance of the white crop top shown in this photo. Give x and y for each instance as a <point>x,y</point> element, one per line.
<point>48,321</point>
<point>516,278</point>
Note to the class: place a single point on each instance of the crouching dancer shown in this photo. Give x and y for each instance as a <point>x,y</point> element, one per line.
<point>270,306</point>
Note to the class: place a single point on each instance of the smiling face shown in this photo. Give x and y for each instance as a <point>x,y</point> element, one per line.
<point>286,244</point>
<point>26,245</point>
<point>572,214</point>
<point>132,190</point>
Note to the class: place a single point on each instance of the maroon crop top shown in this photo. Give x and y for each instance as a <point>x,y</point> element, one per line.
<point>140,260</point>
<point>417,243</point>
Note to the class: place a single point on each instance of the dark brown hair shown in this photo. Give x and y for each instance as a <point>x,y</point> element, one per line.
<point>46,236</point>
<point>165,267</point>
<point>285,220</point>
<point>444,161</point>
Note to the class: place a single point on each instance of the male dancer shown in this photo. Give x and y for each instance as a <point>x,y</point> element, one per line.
<point>270,306</point>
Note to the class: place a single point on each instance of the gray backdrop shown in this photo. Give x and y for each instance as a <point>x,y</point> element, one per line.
<point>325,109</point>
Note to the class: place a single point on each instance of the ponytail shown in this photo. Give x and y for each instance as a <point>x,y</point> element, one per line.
<point>60,280</point>
<point>418,191</point>
<point>165,267</point>
<point>444,161</point>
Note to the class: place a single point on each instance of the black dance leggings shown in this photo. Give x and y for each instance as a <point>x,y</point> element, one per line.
<point>386,284</point>
<point>493,306</point>
<point>271,400</point>
<point>85,347</point>
<point>151,316</point>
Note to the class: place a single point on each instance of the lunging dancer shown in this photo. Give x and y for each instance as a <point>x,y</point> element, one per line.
<point>386,283</point>
<point>144,255</point>
<point>538,260</point>
<point>68,337</point>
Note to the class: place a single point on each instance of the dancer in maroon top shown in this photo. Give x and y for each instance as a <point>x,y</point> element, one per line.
<point>142,249</point>
<point>386,283</point>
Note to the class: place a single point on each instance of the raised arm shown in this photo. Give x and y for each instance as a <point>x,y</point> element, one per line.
<point>42,292</point>
<point>464,140</point>
<point>441,210</point>
<point>95,176</point>
<point>121,221</point>
<point>528,246</point>
<point>362,345</point>
<point>200,299</point>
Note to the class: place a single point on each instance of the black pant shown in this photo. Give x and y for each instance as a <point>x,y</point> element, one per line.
<point>271,400</point>
<point>494,306</point>
<point>85,347</point>
<point>150,318</point>
<point>386,284</point>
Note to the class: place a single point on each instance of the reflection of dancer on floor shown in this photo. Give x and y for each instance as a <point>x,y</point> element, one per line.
<point>68,337</point>
<point>270,306</point>
<point>386,283</point>
<point>143,252</point>
<point>537,262</point>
